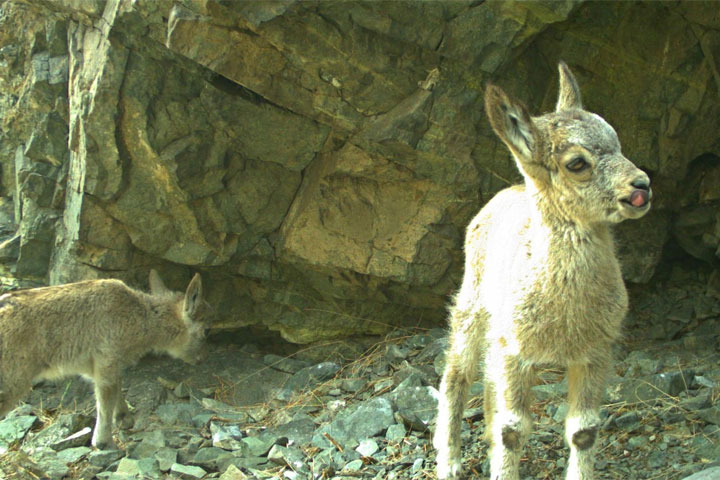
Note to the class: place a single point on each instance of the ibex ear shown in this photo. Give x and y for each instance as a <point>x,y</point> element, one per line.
<point>193,297</point>
<point>157,286</point>
<point>569,94</point>
<point>512,123</point>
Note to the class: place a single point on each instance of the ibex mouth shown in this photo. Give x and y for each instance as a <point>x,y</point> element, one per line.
<point>638,199</point>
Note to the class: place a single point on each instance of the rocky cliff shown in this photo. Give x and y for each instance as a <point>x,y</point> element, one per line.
<point>319,160</point>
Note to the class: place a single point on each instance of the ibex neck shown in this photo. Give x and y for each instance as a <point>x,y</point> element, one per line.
<point>561,227</point>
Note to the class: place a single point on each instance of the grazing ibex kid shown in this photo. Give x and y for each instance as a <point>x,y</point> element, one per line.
<point>542,284</point>
<point>95,328</point>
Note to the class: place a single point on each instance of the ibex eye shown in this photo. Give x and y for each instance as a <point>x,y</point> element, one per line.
<point>577,164</point>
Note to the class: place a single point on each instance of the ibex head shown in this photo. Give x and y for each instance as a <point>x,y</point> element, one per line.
<point>571,157</point>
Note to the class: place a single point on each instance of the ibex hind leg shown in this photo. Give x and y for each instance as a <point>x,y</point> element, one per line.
<point>107,391</point>
<point>121,415</point>
<point>460,369</point>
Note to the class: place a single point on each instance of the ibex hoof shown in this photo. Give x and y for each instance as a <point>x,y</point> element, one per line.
<point>124,421</point>
<point>105,445</point>
<point>449,470</point>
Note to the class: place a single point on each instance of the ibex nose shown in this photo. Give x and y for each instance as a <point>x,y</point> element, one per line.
<point>641,183</point>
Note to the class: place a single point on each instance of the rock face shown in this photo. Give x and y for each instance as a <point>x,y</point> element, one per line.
<point>319,161</point>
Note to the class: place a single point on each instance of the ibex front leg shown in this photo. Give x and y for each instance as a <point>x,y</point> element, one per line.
<point>507,408</point>
<point>586,386</point>
<point>460,367</point>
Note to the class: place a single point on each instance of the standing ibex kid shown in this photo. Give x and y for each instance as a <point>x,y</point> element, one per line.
<point>95,328</point>
<point>542,284</point>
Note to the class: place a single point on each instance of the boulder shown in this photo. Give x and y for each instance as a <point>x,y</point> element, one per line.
<point>320,161</point>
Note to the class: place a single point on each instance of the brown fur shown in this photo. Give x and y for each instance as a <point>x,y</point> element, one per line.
<point>94,328</point>
<point>542,284</point>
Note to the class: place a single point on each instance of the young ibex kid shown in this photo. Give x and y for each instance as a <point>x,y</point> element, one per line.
<point>542,284</point>
<point>95,328</point>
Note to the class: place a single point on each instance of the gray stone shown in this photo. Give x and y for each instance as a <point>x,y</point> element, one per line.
<point>704,381</point>
<point>433,350</point>
<point>550,391</point>
<point>233,473</point>
<point>53,468</point>
<point>10,249</point>
<point>73,455</point>
<point>290,457</point>
<point>187,471</point>
<point>285,364</point>
<point>710,415</point>
<point>657,460</point>
<point>367,447</point>
<point>307,378</point>
<point>297,432</point>
<point>244,462</point>
<point>353,385</point>
<point>641,364</point>
<point>116,476</point>
<point>416,376</point>
<point>477,388</point>
<point>203,420</point>
<point>165,457</point>
<point>383,385</point>
<point>702,399</point>
<point>210,457</point>
<point>561,413</point>
<point>227,437</point>
<point>322,463</point>
<point>151,443</point>
<point>23,409</point>
<point>183,391</point>
<point>144,467</point>
<point>187,451</point>
<point>705,447</point>
<point>105,458</point>
<point>628,421</point>
<point>258,445</point>
<point>178,413</point>
<point>652,387</point>
<point>47,460</point>
<point>417,406</point>
<point>636,442</point>
<point>395,353</point>
<point>224,410</point>
<point>360,421</point>
<point>712,473</point>
<point>128,466</point>
<point>354,466</point>
<point>395,432</point>
<point>14,429</point>
<point>37,232</point>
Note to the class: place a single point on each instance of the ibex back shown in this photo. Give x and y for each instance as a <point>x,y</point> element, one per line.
<point>542,284</point>
<point>95,329</point>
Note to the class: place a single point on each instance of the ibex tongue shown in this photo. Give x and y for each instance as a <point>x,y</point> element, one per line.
<point>638,198</point>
